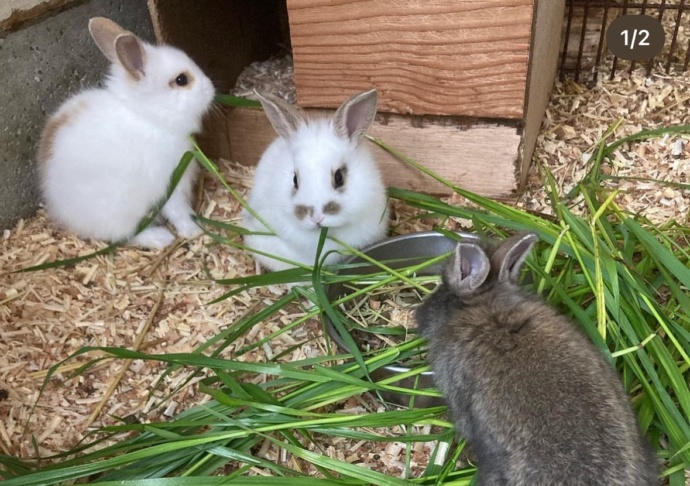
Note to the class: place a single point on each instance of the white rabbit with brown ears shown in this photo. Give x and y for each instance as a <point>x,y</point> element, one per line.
<point>106,156</point>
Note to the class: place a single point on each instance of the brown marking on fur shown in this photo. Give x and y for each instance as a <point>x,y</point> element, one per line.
<point>55,122</point>
<point>331,207</point>
<point>190,81</point>
<point>302,211</point>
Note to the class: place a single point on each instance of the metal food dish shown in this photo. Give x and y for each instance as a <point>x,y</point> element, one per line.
<point>398,252</point>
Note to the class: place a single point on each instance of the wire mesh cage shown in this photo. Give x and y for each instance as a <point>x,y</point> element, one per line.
<point>584,54</point>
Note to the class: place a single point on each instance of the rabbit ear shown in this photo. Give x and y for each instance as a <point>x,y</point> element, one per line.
<point>284,117</point>
<point>104,32</point>
<point>468,269</point>
<point>130,53</point>
<point>510,256</point>
<point>355,116</point>
<point>118,45</point>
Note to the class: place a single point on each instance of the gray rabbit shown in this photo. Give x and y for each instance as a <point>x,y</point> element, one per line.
<point>532,395</point>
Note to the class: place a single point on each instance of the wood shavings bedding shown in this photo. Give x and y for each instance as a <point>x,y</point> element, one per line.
<point>577,118</point>
<point>274,76</point>
<point>46,316</point>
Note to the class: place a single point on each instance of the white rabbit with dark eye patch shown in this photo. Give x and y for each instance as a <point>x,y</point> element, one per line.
<point>106,156</point>
<point>532,395</point>
<point>317,174</point>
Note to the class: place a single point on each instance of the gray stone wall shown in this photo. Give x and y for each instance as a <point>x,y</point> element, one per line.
<point>41,65</point>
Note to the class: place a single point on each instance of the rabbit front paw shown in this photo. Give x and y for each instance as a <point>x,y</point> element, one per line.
<point>154,237</point>
<point>187,227</point>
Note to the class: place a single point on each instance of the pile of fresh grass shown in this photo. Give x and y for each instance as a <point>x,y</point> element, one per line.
<point>624,280</point>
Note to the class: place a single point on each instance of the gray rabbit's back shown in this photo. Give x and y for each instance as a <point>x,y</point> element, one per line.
<point>535,399</point>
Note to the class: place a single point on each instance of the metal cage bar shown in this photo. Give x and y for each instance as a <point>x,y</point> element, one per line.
<point>602,35</point>
<point>675,36</point>
<point>656,8</point>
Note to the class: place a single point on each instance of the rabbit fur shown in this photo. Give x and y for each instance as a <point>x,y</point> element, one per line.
<point>316,174</point>
<point>533,396</point>
<point>106,156</point>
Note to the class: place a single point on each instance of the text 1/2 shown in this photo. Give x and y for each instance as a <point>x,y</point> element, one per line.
<point>641,36</point>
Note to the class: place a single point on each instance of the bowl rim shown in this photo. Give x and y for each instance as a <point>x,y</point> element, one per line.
<point>330,327</point>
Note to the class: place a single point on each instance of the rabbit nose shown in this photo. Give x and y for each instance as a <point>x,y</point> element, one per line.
<point>317,218</point>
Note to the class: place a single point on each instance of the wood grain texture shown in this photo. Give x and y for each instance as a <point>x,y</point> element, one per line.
<point>14,13</point>
<point>543,67</point>
<point>443,57</point>
<point>480,157</point>
<point>213,139</point>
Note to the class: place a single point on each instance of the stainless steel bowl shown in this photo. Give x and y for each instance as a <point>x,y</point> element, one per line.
<point>398,252</point>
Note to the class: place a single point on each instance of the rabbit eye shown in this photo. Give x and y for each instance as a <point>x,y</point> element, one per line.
<point>338,179</point>
<point>294,181</point>
<point>181,80</point>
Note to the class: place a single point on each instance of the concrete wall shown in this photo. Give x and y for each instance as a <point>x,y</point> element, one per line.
<point>41,65</point>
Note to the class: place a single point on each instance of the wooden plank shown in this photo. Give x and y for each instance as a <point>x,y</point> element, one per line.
<point>543,67</point>
<point>480,157</point>
<point>14,13</point>
<point>213,139</point>
<point>443,57</point>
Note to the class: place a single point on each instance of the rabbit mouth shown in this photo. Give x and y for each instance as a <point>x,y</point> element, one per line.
<point>318,226</point>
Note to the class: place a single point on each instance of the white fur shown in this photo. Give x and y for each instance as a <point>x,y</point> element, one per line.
<point>112,159</point>
<point>314,151</point>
